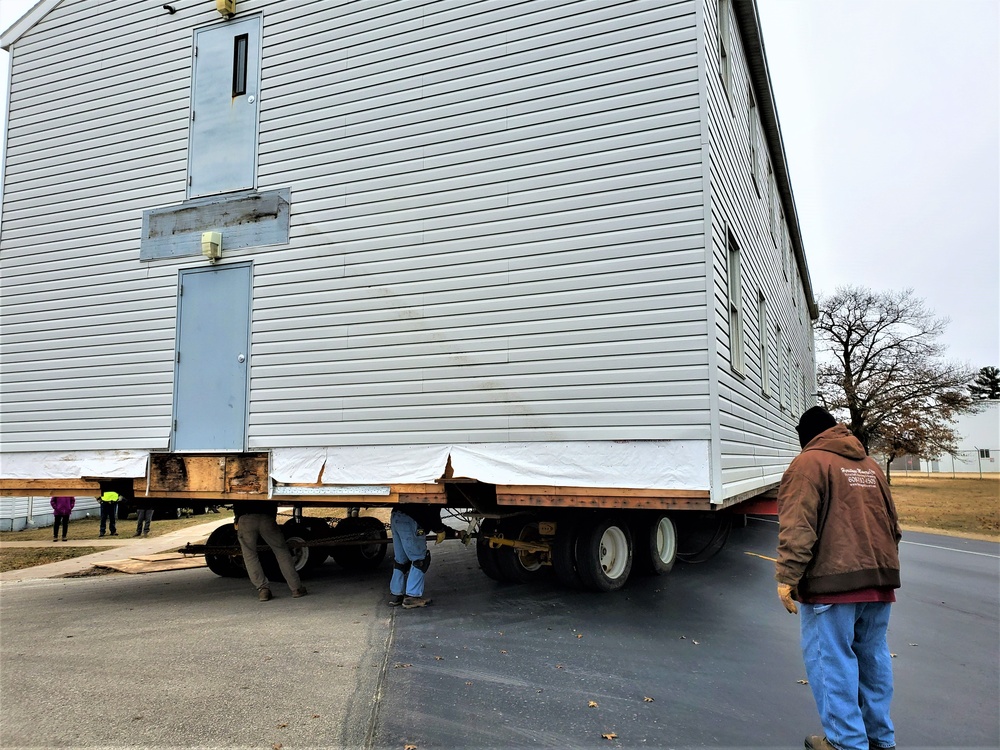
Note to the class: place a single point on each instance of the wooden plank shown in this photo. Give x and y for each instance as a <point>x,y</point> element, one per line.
<point>505,489</point>
<point>662,502</point>
<point>49,487</point>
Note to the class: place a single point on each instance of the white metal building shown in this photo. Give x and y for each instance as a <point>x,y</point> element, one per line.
<point>555,242</point>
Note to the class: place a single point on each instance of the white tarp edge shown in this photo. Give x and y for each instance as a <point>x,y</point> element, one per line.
<point>640,464</point>
<point>365,464</point>
<point>118,464</point>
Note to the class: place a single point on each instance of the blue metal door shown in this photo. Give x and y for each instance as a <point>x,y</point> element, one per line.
<point>212,359</point>
<point>222,149</point>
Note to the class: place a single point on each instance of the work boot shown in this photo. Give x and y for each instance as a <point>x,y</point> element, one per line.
<point>299,592</point>
<point>138,533</point>
<point>818,742</point>
<point>55,539</point>
<point>264,595</point>
<point>395,600</point>
<point>412,602</point>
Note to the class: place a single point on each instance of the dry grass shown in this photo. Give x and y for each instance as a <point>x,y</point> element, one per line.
<point>966,506</point>
<point>89,528</point>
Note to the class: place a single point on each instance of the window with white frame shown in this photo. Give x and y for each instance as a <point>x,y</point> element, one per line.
<point>780,346</point>
<point>725,62</point>
<point>763,334</point>
<point>754,135</point>
<point>736,342</point>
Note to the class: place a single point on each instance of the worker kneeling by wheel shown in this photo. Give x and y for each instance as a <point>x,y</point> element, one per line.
<point>409,525</point>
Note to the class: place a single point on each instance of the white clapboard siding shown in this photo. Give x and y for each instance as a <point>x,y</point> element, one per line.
<point>756,432</point>
<point>508,223</point>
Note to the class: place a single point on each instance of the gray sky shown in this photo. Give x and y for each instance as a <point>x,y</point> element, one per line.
<point>889,111</point>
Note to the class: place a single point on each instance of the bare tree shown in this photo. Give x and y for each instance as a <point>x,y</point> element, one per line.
<point>882,366</point>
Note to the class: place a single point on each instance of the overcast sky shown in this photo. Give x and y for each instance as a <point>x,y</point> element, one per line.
<point>889,112</point>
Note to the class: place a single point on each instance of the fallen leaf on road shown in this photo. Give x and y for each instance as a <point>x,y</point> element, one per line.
<point>282,725</point>
<point>610,736</point>
<point>409,747</point>
<point>647,699</point>
<point>893,656</point>
<point>400,665</point>
<point>591,704</point>
<point>502,651</point>
<point>579,635</point>
<point>315,716</point>
<point>803,682</point>
<point>277,746</point>
<point>438,658</point>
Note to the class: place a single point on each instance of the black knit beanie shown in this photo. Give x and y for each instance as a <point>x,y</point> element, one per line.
<point>812,423</point>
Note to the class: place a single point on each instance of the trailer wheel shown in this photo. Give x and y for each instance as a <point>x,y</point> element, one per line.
<point>487,557</point>
<point>227,566</point>
<point>305,531</point>
<point>519,566</point>
<point>360,557</point>
<point>564,554</point>
<point>655,545</point>
<point>604,555</point>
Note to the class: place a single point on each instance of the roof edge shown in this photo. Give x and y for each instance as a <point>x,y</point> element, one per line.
<point>25,22</point>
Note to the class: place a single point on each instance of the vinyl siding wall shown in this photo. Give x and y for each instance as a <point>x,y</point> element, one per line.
<point>497,228</point>
<point>756,424</point>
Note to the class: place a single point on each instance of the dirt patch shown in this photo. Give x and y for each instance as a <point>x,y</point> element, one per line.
<point>28,557</point>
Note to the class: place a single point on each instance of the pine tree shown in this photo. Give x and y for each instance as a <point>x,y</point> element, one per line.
<point>986,384</point>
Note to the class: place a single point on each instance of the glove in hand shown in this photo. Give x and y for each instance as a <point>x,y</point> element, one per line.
<point>785,594</point>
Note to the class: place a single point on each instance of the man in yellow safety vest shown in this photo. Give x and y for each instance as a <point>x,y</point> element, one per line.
<point>109,511</point>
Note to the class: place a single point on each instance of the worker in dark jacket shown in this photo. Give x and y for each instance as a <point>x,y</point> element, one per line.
<point>410,524</point>
<point>254,521</point>
<point>838,541</point>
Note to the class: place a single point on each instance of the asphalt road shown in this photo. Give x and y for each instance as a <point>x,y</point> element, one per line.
<point>702,658</point>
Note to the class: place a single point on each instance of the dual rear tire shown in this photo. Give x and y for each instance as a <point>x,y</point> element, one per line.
<point>596,553</point>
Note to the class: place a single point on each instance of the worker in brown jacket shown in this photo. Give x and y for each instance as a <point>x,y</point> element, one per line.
<point>838,557</point>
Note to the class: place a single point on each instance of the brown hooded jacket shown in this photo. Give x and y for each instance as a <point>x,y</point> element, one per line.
<point>838,529</point>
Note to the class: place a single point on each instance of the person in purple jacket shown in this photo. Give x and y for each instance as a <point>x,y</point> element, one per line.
<point>61,508</point>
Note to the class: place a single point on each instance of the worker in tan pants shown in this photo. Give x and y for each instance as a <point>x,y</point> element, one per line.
<point>255,521</point>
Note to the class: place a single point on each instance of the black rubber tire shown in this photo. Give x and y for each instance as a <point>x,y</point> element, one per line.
<point>227,566</point>
<point>517,566</point>
<point>655,539</point>
<point>486,556</point>
<point>360,557</point>
<point>564,554</point>
<point>604,554</point>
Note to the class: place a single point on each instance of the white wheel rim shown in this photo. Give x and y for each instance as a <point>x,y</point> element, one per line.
<point>666,540</point>
<point>614,552</point>
<point>530,561</point>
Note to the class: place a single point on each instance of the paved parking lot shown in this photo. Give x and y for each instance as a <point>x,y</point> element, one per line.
<point>188,660</point>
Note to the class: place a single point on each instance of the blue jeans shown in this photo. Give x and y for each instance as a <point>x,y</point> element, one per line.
<point>407,546</point>
<point>849,668</point>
